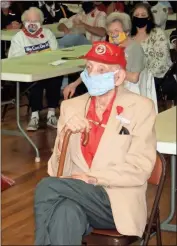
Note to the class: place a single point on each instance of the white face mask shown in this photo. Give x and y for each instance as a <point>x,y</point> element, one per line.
<point>100,84</point>
<point>32,27</point>
<point>5,5</point>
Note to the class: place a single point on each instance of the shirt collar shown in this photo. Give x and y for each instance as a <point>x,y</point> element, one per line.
<point>35,35</point>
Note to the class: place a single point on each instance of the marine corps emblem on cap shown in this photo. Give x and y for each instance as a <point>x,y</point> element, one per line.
<point>107,53</point>
<point>100,49</point>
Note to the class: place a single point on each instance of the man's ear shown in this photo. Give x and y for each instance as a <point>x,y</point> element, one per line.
<point>119,77</point>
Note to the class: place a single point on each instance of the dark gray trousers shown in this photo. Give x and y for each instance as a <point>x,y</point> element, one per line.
<point>65,210</point>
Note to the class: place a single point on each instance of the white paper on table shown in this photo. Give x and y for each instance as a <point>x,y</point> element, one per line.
<point>56,63</point>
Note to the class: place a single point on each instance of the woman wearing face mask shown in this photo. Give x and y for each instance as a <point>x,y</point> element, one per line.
<point>118,27</point>
<point>152,40</point>
<point>34,38</point>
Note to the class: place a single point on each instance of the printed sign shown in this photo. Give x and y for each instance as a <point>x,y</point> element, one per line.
<point>37,48</point>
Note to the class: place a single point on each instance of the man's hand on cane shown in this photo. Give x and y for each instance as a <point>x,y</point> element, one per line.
<point>79,124</point>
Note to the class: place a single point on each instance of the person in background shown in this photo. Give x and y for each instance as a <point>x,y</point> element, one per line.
<point>110,6</point>
<point>129,5</point>
<point>153,41</point>
<point>168,5</point>
<point>118,27</point>
<point>34,38</point>
<point>91,21</point>
<point>173,39</point>
<point>118,30</point>
<point>160,13</point>
<point>10,19</point>
<point>103,184</point>
<point>54,11</point>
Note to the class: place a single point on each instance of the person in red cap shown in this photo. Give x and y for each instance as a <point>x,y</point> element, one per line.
<point>104,183</point>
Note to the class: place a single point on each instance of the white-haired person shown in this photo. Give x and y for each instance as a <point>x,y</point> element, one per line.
<point>118,26</point>
<point>34,38</point>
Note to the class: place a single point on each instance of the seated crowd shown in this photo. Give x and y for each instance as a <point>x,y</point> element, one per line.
<point>121,85</point>
<point>144,42</point>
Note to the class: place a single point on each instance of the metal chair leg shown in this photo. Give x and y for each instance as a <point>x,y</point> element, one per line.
<point>158,231</point>
<point>4,112</point>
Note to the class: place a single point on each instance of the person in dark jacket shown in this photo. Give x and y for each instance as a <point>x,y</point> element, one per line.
<point>10,16</point>
<point>53,11</point>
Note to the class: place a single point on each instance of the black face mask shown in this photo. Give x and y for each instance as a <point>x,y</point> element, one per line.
<point>140,22</point>
<point>88,7</point>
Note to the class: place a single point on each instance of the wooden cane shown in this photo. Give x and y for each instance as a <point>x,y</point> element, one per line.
<point>64,149</point>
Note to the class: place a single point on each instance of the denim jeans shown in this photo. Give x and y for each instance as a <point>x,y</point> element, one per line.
<point>70,40</point>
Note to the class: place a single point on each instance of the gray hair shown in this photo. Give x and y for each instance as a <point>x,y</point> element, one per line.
<point>123,18</point>
<point>33,9</point>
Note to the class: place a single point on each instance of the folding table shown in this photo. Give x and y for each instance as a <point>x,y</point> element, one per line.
<point>37,67</point>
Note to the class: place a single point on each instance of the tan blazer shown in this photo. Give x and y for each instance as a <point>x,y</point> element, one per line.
<point>122,163</point>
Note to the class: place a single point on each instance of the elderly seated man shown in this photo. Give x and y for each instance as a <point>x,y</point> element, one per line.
<point>104,183</point>
<point>33,38</point>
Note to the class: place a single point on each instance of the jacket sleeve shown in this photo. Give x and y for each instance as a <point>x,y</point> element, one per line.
<point>140,158</point>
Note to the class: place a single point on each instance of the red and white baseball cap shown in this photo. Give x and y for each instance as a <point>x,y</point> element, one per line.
<point>107,53</point>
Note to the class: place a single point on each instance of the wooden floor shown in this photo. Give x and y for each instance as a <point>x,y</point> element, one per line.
<point>17,202</point>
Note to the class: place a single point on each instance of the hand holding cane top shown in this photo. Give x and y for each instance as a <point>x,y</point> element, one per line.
<point>77,123</point>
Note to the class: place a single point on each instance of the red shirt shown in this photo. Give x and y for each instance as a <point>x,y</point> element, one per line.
<point>96,131</point>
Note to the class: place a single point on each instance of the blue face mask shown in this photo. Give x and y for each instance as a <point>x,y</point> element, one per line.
<point>98,85</point>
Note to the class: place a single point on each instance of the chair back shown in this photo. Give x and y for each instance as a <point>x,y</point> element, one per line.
<point>112,237</point>
<point>157,178</point>
<point>157,171</point>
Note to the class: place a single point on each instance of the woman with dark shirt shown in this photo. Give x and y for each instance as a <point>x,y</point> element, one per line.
<point>10,16</point>
<point>10,19</point>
